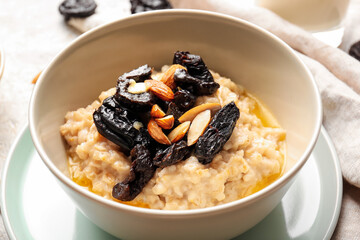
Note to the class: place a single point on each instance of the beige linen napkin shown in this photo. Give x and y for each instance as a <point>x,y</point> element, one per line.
<point>336,73</point>
<point>352,27</point>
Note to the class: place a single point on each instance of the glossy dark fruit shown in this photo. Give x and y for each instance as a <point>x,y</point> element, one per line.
<point>355,50</point>
<point>172,154</point>
<point>143,101</point>
<point>194,65</point>
<point>116,123</point>
<point>144,138</point>
<point>174,110</point>
<point>141,171</point>
<point>194,85</point>
<point>184,99</point>
<point>217,133</point>
<point>139,74</point>
<point>77,8</point>
<point>108,134</point>
<point>138,6</point>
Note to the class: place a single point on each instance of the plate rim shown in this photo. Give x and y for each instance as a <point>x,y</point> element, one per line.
<point>339,195</point>
<point>4,174</point>
<point>327,235</point>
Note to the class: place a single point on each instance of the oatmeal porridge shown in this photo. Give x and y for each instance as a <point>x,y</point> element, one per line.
<point>249,159</point>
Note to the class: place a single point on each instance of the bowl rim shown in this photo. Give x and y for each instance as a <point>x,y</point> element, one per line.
<point>191,212</point>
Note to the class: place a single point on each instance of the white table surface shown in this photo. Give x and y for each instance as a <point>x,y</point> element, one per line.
<point>31,34</point>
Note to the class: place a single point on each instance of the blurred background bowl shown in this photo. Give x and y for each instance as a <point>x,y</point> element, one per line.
<point>247,54</point>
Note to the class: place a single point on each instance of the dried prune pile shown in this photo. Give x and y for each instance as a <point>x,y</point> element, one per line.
<point>77,8</point>
<point>138,6</point>
<point>150,119</point>
<point>217,133</point>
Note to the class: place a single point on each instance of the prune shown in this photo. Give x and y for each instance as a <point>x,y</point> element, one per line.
<point>194,64</point>
<point>142,101</point>
<point>217,133</point>
<point>184,100</point>
<point>355,50</point>
<point>138,6</point>
<point>119,124</point>
<point>108,134</point>
<point>172,154</point>
<point>174,110</point>
<point>116,123</point>
<point>139,74</point>
<point>141,171</point>
<point>196,86</point>
<point>77,8</point>
<point>111,102</point>
<point>144,138</point>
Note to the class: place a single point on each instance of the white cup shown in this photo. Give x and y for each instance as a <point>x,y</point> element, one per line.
<point>311,15</point>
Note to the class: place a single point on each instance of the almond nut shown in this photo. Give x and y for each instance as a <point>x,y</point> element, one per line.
<point>36,78</point>
<point>161,90</point>
<point>168,76</point>
<point>157,112</point>
<point>198,126</point>
<point>179,132</point>
<point>137,88</point>
<point>192,113</point>
<point>138,125</point>
<point>165,122</point>
<point>156,133</point>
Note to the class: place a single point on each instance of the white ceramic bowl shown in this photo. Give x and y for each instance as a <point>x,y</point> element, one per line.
<point>247,54</point>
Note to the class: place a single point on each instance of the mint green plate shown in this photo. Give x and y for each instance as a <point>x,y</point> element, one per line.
<point>35,207</point>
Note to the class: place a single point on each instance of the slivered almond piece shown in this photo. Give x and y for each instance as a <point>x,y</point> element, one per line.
<point>165,122</point>
<point>198,126</point>
<point>161,90</point>
<point>179,132</point>
<point>138,125</point>
<point>192,113</point>
<point>137,88</point>
<point>168,76</point>
<point>157,112</point>
<point>36,78</point>
<point>156,133</point>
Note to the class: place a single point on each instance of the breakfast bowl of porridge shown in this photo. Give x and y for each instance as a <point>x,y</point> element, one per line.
<point>175,124</point>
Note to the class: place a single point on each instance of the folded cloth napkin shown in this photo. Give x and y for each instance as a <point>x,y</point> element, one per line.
<point>352,27</point>
<point>337,74</point>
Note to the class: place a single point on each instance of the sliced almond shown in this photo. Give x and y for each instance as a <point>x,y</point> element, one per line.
<point>179,132</point>
<point>157,112</point>
<point>192,113</point>
<point>198,126</point>
<point>165,122</point>
<point>137,88</point>
<point>36,78</point>
<point>156,133</point>
<point>168,76</point>
<point>138,125</point>
<point>161,90</point>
